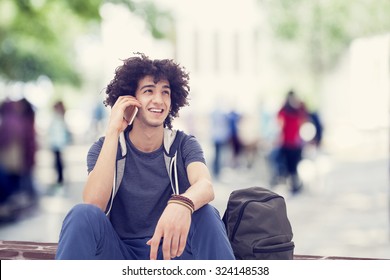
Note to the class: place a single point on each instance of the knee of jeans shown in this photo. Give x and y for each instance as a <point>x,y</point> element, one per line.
<point>85,212</point>
<point>206,211</point>
<point>207,220</point>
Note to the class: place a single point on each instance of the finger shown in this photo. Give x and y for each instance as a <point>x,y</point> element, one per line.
<point>134,102</point>
<point>166,248</point>
<point>130,102</point>
<point>175,246</point>
<point>154,244</point>
<point>125,101</point>
<point>182,245</point>
<point>125,97</point>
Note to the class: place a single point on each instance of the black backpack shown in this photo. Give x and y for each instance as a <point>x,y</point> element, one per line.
<point>257,225</point>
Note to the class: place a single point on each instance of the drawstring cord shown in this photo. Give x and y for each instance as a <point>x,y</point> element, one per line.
<point>173,165</point>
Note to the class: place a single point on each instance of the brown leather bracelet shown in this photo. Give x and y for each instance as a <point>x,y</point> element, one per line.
<point>178,197</point>
<point>182,203</point>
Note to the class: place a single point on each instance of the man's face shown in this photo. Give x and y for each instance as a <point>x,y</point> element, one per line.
<point>155,99</point>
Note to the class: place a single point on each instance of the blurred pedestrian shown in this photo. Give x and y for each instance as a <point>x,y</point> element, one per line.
<point>17,157</point>
<point>99,117</point>
<point>249,136</point>
<point>220,134</point>
<point>235,141</point>
<point>319,128</point>
<point>291,116</point>
<point>59,138</point>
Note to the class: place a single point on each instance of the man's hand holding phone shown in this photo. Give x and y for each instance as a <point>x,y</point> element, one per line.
<point>123,113</point>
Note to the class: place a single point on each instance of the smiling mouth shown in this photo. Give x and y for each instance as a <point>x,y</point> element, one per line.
<point>154,110</point>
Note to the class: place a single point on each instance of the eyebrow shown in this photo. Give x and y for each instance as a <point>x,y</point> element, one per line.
<point>153,86</point>
<point>147,86</point>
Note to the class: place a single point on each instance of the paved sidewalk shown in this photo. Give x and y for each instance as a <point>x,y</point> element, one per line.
<point>343,211</point>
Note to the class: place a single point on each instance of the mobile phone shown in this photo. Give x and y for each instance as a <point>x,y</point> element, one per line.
<point>130,113</point>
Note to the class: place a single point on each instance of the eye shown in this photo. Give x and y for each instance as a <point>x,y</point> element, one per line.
<point>166,92</point>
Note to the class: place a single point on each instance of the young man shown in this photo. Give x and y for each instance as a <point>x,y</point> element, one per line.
<point>146,220</point>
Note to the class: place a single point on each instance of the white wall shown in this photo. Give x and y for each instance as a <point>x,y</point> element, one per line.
<point>356,100</point>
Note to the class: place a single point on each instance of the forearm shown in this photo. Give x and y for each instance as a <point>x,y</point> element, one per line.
<point>200,193</point>
<point>201,190</point>
<point>98,186</point>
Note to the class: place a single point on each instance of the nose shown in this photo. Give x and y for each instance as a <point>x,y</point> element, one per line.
<point>158,98</point>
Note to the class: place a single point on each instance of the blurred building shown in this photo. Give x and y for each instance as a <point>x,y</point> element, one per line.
<point>356,101</point>
<point>221,44</point>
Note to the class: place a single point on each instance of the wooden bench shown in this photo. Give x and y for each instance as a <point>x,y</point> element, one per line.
<point>23,250</point>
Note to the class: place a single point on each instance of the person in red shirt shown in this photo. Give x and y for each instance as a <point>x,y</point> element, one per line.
<point>291,116</point>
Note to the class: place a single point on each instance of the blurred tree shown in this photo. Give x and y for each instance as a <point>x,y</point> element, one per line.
<point>36,36</point>
<point>324,28</point>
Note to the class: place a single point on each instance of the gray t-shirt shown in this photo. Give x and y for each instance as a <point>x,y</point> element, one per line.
<point>145,187</point>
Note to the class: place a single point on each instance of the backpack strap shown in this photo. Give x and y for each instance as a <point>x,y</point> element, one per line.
<point>119,170</point>
<point>170,157</point>
<point>171,143</point>
<point>118,175</point>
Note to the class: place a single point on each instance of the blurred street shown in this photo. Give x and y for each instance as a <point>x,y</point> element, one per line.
<point>344,213</point>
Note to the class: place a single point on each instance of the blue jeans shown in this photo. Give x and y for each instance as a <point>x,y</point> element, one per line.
<point>87,234</point>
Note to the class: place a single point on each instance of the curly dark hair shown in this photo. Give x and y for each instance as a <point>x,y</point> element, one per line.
<point>135,68</point>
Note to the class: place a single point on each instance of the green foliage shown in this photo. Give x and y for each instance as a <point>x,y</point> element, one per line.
<point>36,42</point>
<point>85,9</point>
<point>159,23</point>
<point>284,18</point>
<point>326,26</point>
<point>37,36</point>
<point>31,59</point>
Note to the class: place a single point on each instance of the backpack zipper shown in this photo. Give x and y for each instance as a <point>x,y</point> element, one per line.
<point>241,213</point>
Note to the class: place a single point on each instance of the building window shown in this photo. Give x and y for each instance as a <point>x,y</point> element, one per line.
<point>256,51</point>
<point>196,51</point>
<point>236,52</point>
<point>216,52</point>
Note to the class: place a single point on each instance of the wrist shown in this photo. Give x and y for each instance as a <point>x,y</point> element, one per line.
<point>182,200</point>
<point>112,132</point>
